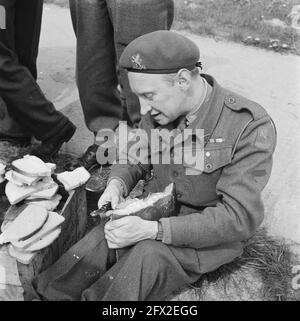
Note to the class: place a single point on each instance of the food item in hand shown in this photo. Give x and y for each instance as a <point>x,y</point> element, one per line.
<point>152,208</point>
<point>28,222</point>
<point>31,166</point>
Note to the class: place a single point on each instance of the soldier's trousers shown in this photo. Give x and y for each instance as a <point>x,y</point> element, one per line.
<point>103,29</point>
<point>19,39</point>
<point>88,271</point>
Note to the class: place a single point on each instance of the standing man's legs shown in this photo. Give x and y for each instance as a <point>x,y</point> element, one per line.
<point>96,64</point>
<point>131,19</point>
<point>18,88</point>
<point>9,129</point>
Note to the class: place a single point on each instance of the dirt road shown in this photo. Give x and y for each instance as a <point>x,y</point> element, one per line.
<point>269,78</point>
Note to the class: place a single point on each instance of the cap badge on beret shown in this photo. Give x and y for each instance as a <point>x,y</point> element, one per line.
<point>137,62</point>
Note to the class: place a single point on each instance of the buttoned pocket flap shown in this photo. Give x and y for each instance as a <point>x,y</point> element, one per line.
<point>216,157</point>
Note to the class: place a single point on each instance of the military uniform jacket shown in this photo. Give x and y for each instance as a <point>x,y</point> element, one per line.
<point>222,206</point>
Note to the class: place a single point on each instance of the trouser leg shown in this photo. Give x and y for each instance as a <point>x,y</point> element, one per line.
<point>96,64</point>
<point>18,88</point>
<point>77,269</point>
<point>8,125</point>
<point>150,270</point>
<point>28,15</point>
<point>131,19</point>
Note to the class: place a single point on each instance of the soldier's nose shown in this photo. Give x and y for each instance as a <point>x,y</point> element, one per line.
<point>145,108</point>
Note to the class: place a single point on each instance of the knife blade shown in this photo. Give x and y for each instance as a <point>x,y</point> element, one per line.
<point>102,210</point>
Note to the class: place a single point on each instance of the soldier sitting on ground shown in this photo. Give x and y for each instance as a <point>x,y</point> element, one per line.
<point>219,202</point>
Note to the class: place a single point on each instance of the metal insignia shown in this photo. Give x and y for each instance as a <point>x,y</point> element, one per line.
<point>137,62</point>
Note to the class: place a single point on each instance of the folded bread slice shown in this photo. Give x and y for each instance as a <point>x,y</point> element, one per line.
<point>50,204</point>
<point>32,166</point>
<point>53,222</point>
<point>47,193</point>
<point>20,256</point>
<point>27,223</point>
<point>73,179</point>
<point>26,256</point>
<point>16,194</point>
<point>20,179</point>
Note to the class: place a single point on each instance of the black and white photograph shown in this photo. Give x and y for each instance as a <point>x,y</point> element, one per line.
<point>149,152</point>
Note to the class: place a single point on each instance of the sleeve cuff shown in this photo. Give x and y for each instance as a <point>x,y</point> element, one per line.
<point>125,189</point>
<point>167,235</point>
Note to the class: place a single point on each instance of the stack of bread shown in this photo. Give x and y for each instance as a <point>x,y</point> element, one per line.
<point>30,180</point>
<point>32,230</point>
<point>36,226</point>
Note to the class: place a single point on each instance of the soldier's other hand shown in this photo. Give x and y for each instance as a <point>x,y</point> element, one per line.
<point>113,194</point>
<point>128,231</point>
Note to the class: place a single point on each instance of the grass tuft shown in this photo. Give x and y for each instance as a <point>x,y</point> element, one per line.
<point>270,257</point>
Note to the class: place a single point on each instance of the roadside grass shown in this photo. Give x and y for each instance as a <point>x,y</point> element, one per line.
<point>236,20</point>
<point>241,21</point>
<point>61,3</point>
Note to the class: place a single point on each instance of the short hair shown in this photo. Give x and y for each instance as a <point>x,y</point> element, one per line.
<point>171,78</point>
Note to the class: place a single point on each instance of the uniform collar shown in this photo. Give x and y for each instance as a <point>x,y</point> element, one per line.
<point>209,113</point>
<point>192,115</point>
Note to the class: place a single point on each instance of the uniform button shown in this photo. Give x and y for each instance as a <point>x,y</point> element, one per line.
<point>207,154</point>
<point>175,174</point>
<point>231,100</point>
<point>208,166</point>
<point>172,154</point>
<point>179,195</point>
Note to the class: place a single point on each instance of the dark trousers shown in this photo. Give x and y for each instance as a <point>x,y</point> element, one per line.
<point>103,29</point>
<point>89,271</point>
<point>19,42</point>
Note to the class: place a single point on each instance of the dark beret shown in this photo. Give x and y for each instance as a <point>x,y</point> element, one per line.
<point>160,52</point>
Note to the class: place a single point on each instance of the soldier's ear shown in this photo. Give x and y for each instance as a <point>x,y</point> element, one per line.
<point>184,79</point>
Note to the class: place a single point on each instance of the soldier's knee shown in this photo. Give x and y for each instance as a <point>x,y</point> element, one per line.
<point>151,252</point>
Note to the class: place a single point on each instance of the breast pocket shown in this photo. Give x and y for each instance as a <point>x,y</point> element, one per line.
<point>209,159</point>
<point>200,186</point>
<point>216,157</point>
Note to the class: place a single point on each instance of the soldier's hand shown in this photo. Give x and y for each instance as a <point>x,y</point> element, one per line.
<point>113,194</point>
<point>128,231</point>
